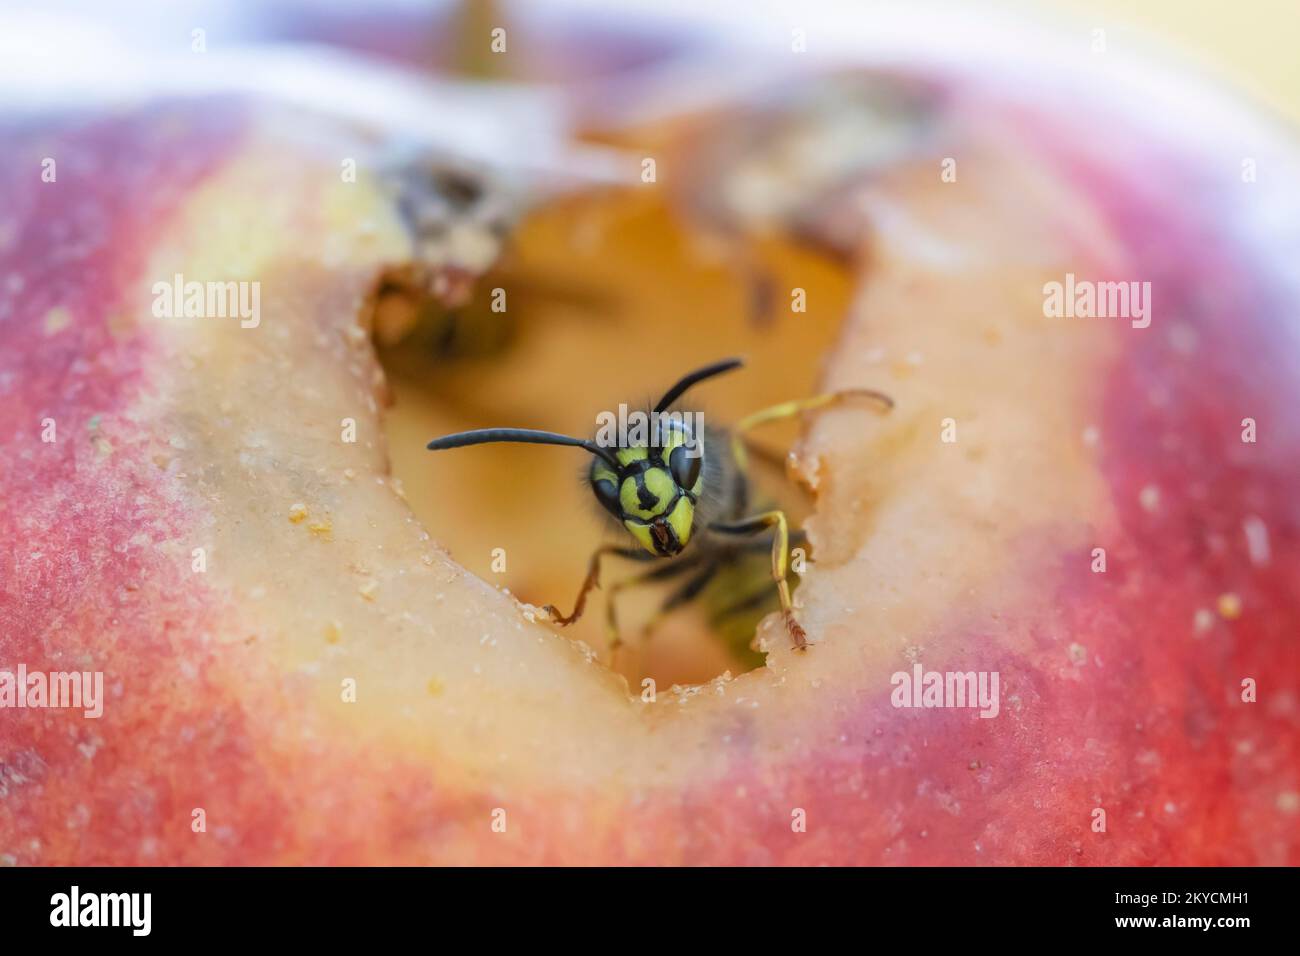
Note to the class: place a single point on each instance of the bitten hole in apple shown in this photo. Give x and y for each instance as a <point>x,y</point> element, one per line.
<point>599,299</point>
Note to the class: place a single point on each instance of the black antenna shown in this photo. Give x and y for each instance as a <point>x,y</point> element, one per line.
<point>699,375</point>
<point>484,436</point>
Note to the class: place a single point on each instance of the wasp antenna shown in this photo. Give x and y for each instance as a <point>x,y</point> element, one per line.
<point>693,378</point>
<point>527,436</point>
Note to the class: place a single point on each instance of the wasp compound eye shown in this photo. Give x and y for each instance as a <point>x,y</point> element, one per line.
<point>684,467</point>
<point>607,494</point>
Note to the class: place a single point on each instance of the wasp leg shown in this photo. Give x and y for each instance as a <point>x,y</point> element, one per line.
<point>593,580</point>
<point>754,599</point>
<point>780,561</point>
<point>789,410</point>
<point>683,595</point>
<point>652,576</point>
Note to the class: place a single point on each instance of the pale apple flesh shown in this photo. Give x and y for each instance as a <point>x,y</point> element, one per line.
<point>332,687</point>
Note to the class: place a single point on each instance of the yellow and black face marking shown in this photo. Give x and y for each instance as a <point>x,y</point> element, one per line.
<point>658,490</point>
<point>653,491</point>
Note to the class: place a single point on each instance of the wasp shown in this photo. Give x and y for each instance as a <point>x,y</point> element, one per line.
<point>682,493</point>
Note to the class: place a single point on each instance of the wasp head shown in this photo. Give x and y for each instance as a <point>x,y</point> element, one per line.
<point>655,489</point>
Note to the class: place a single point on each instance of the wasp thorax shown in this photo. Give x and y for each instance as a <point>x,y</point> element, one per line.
<point>654,491</point>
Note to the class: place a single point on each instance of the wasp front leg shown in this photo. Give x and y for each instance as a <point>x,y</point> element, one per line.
<point>780,562</point>
<point>592,580</point>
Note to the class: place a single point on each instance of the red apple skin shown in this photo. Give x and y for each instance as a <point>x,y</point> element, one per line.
<point>76,593</point>
<point>1148,724</point>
